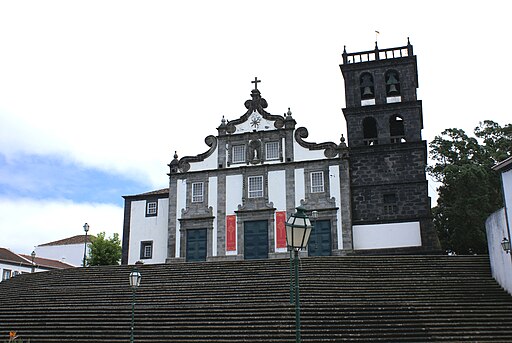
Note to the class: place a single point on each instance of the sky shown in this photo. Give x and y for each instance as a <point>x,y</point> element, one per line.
<point>96,96</point>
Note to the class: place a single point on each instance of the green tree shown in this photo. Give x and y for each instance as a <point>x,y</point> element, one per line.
<point>470,190</point>
<point>105,251</point>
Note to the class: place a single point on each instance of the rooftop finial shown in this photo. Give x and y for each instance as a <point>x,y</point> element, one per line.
<point>256,81</point>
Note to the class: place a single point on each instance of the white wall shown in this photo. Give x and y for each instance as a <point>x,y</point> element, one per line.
<point>335,192</point>
<point>181,203</point>
<point>209,163</point>
<point>70,253</point>
<point>212,201</point>
<point>277,189</point>
<point>300,186</point>
<point>304,154</point>
<point>381,236</point>
<point>16,268</point>
<point>506,178</point>
<point>501,263</point>
<point>148,229</point>
<point>234,189</point>
<point>277,195</point>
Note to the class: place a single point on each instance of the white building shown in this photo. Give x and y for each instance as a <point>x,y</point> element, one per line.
<point>12,264</point>
<point>232,201</point>
<point>498,227</point>
<point>68,250</point>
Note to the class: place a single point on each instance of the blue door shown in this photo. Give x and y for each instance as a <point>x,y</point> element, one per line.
<point>255,239</point>
<point>196,245</point>
<point>320,240</point>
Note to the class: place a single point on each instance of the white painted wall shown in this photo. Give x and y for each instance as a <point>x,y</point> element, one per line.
<point>19,269</point>
<point>335,192</point>
<point>506,178</point>
<point>234,189</point>
<point>212,201</point>
<point>70,253</point>
<point>264,124</point>
<point>209,163</point>
<point>277,189</point>
<point>277,195</point>
<point>181,203</point>
<point>300,186</point>
<point>501,263</point>
<point>148,229</point>
<point>12,269</point>
<point>381,236</point>
<point>303,154</point>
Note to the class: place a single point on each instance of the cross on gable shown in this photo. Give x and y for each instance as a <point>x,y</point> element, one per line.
<point>256,81</point>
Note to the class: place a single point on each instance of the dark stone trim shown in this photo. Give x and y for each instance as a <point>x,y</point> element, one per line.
<point>142,245</point>
<point>126,230</point>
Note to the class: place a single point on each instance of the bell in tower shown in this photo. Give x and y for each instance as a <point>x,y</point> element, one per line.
<point>366,85</point>
<point>392,83</point>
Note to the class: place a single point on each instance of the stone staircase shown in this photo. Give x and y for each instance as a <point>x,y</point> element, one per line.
<point>344,299</point>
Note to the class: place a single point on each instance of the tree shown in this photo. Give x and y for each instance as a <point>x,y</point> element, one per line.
<point>105,251</point>
<point>470,190</point>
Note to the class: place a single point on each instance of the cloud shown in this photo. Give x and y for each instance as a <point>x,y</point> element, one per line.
<point>25,223</point>
<point>53,177</point>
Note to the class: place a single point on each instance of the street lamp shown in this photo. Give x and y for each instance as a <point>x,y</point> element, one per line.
<point>86,229</point>
<point>33,254</point>
<point>134,283</point>
<point>505,244</point>
<point>298,230</point>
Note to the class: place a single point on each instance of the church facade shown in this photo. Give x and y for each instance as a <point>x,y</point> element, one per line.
<point>232,201</point>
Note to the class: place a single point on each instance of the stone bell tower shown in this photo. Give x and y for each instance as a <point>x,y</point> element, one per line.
<point>390,202</point>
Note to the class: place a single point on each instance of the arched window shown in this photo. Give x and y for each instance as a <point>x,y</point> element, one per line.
<point>392,83</point>
<point>370,131</point>
<point>396,129</point>
<point>366,86</point>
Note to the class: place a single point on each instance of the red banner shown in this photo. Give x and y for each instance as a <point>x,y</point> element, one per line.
<point>231,233</point>
<point>280,229</point>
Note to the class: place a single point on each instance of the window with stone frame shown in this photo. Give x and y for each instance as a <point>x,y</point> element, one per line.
<point>197,192</point>
<point>390,203</point>
<point>272,150</point>
<point>151,208</point>
<point>317,182</point>
<point>146,250</point>
<point>238,154</point>
<point>6,275</point>
<point>255,186</point>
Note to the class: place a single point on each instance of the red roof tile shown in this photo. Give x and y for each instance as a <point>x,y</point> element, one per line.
<point>78,239</point>
<point>48,263</point>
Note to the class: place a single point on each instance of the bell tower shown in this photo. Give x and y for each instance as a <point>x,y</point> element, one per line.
<point>390,202</point>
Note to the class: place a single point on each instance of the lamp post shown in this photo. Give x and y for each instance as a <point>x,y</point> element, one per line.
<point>505,244</point>
<point>134,283</point>
<point>86,229</point>
<point>33,255</point>
<point>298,230</point>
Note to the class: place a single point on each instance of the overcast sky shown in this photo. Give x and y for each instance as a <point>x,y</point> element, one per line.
<point>95,96</point>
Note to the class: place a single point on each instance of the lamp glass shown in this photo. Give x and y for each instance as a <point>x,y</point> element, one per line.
<point>135,277</point>
<point>86,227</point>
<point>298,229</point>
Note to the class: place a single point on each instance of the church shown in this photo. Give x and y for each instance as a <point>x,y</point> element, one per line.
<point>366,195</point>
